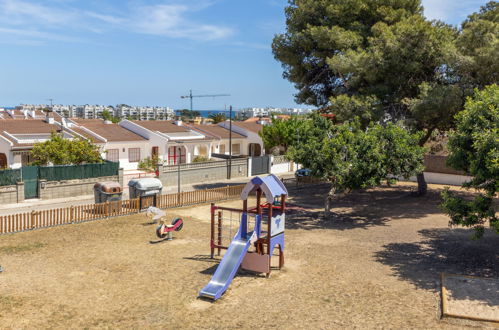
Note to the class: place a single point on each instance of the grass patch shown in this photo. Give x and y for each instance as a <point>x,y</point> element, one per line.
<point>10,249</point>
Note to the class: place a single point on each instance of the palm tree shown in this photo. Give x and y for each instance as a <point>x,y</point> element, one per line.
<point>217,117</point>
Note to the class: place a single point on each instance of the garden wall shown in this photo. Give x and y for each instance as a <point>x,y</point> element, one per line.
<point>203,172</point>
<point>12,194</point>
<point>70,188</point>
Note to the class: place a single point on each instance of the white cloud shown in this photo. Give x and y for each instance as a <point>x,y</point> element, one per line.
<point>30,19</point>
<point>170,21</point>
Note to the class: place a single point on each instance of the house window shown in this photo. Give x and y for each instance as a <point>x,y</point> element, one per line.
<point>155,151</point>
<point>236,149</point>
<point>133,155</point>
<point>113,155</point>
<point>222,149</point>
<point>175,154</point>
<point>26,158</point>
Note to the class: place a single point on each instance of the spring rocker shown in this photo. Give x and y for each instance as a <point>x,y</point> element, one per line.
<point>164,230</point>
<point>263,242</point>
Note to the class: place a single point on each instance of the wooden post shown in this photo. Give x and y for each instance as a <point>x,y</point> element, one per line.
<point>72,214</point>
<point>33,219</point>
<point>258,197</point>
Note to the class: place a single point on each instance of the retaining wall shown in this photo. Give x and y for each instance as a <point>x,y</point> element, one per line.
<point>70,188</point>
<point>12,194</point>
<point>203,172</point>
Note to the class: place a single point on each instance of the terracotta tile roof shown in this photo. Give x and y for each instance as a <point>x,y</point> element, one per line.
<point>110,132</point>
<point>86,135</point>
<point>217,131</point>
<point>250,126</point>
<point>32,126</point>
<point>255,119</point>
<point>163,126</point>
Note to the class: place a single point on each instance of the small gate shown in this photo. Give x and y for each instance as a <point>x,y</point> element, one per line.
<point>30,179</point>
<point>260,165</point>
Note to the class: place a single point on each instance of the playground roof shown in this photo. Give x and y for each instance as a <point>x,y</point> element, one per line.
<point>271,187</point>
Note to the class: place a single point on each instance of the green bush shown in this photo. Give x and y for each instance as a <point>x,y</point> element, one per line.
<point>200,159</point>
<point>149,164</point>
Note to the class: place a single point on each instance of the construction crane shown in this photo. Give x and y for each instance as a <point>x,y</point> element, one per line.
<point>190,96</point>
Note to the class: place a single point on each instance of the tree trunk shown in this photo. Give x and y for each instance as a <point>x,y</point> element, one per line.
<point>329,201</point>
<point>422,186</point>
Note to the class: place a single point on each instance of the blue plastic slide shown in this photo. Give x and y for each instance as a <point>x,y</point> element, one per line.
<point>227,268</point>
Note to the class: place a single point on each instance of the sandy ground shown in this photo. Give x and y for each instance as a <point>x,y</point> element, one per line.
<point>375,263</point>
<point>472,297</point>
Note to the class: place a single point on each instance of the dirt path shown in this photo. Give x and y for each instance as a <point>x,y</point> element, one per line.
<point>375,264</point>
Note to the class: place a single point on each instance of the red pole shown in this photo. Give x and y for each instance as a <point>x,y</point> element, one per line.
<point>212,237</point>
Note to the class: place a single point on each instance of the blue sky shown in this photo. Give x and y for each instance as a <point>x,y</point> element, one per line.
<point>149,52</point>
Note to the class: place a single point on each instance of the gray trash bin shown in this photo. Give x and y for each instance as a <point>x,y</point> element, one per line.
<point>145,188</point>
<point>108,191</point>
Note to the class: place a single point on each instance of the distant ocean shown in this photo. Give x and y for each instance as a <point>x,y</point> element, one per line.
<point>204,113</point>
<point>207,113</point>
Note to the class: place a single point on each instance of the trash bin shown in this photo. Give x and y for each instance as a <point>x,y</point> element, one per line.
<point>108,192</point>
<point>145,188</point>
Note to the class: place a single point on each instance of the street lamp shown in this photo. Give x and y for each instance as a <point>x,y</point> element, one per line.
<point>178,168</point>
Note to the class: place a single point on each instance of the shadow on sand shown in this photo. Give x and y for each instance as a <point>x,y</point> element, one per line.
<point>444,250</point>
<point>361,209</point>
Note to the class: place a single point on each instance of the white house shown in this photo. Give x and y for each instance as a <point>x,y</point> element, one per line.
<point>172,141</point>
<point>117,143</point>
<point>222,138</point>
<point>17,137</point>
<point>252,145</point>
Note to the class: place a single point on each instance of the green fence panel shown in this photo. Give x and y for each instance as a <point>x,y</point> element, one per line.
<point>84,171</point>
<point>10,177</point>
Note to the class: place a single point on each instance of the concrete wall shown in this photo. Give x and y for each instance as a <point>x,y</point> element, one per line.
<point>12,194</point>
<point>203,172</point>
<point>281,165</point>
<point>444,178</point>
<point>70,188</point>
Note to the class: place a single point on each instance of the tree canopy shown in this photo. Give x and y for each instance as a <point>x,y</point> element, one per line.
<point>382,60</point>
<point>350,157</point>
<point>61,151</point>
<point>474,148</point>
<point>107,115</point>
<point>281,134</point>
<point>218,117</point>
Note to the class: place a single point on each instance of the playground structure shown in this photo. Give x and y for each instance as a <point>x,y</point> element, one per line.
<point>164,230</point>
<point>270,214</point>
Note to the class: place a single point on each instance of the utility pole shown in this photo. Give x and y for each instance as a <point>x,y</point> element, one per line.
<point>190,96</point>
<point>51,103</point>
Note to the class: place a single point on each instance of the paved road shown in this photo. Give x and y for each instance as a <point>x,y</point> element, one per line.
<point>37,204</point>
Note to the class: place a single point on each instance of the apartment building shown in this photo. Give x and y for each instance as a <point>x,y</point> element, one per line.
<point>92,111</point>
<point>144,112</point>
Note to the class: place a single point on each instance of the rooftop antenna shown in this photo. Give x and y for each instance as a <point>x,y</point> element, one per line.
<point>51,103</point>
<point>190,96</point>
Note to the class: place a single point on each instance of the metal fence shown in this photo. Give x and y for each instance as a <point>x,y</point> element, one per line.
<point>83,171</point>
<point>192,166</point>
<point>10,177</point>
